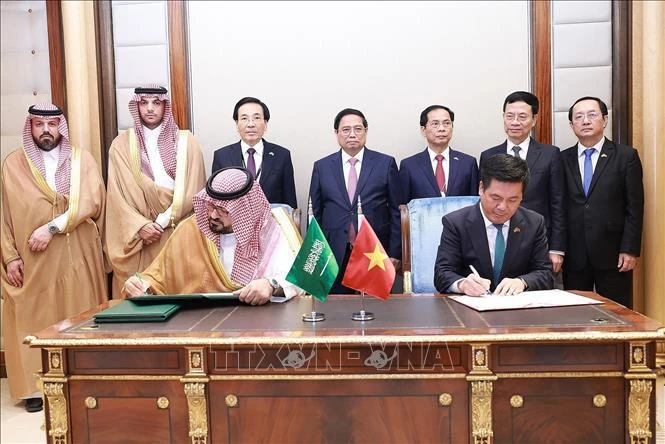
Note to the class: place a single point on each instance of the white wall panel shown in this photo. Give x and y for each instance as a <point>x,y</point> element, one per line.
<point>24,67</point>
<point>581,59</point>
<point>582,12</point>
<point>309,60</point>
<point>140,43</point>
<point>574,83</point>
<point>582,44</point>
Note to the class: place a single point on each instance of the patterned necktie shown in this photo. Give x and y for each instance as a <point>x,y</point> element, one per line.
<point>351,188</point>
<point>251,165</point>
<point>440,174</point>
<point>588,169</point>
<point>516,150</point>
<point>499,250</point>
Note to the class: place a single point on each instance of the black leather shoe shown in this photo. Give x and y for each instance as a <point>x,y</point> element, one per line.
<point>34,405</point>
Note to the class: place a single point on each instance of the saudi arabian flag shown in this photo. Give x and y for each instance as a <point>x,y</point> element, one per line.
<point>315,268</point>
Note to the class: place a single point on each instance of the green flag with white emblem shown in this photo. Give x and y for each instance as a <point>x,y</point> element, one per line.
<point>315,268</point>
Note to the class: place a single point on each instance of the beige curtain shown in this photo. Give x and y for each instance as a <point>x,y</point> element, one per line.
<point>78,24</point>
<point>649,138</point>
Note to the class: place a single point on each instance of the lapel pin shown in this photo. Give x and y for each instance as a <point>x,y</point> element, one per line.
<point>603,155</point>
<point>516,230</point>
<point>455,158</point>
<point>271,153</point>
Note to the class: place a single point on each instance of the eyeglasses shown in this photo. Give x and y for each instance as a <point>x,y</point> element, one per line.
<point>521,118</point>
<point>210,207</point>
<point>346,131</point>
<point>435,124</point>
<point>244,121</point>
<point>591,116</point>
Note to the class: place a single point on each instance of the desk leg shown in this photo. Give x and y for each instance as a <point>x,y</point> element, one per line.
<point>56,405</point>
<point>198,412</point>
<point>481,412</point>
<point>639,401</point>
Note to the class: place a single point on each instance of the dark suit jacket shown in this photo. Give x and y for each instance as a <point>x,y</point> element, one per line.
<point>546,191</point>
<point>418,177</point>
<point>380,193</point>
<point>609,221</point>
<point>464,243</point>
<point>276,178</point>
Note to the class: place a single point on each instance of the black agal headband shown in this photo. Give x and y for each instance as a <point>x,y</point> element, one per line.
<point>44,112</point>
<point>231,194</point>
<point>158,90</point>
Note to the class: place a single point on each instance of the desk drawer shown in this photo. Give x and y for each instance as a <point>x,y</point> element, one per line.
<point>557,357</point>
<point>91,361</point>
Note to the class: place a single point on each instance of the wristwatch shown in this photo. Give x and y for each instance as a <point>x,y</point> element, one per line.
<point>53,228</point>
<point>274,284</point>
<point>524,282</point>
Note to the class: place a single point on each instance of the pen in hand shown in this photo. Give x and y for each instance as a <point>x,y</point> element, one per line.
<point>475,272</point>
<point>144,284</point>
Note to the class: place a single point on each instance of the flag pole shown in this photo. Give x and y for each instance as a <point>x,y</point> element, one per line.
<point>362,315</point>
<point>314,316</point>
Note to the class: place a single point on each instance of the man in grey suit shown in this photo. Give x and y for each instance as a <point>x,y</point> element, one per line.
<point>546,191</point>
<point>504,243</point>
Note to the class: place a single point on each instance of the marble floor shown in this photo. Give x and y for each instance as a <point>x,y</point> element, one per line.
<point>21,427</point>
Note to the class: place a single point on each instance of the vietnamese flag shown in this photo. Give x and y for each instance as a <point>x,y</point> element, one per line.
<point>369,268</point>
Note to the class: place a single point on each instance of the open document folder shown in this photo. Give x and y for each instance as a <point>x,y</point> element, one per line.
<point>528,299</point>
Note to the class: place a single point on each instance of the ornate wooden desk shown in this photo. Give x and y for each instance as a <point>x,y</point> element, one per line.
<point>427,369</point>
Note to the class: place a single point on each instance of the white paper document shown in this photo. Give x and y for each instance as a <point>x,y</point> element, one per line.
<point>528,299</point>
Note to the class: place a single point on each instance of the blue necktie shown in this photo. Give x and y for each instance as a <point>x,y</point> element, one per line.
<point>588,169</point>
<point>499,250</point>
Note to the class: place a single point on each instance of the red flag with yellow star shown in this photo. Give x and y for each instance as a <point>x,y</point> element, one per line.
<point>369,268</point>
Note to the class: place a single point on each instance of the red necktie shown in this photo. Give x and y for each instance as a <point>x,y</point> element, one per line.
<point>440,175</point>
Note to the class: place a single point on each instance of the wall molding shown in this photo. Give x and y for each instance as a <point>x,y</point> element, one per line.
<point>179,63</point>
<point>106,79</point>
<point>56,53</point>
<point>622,78</point>
<point>541,70</point>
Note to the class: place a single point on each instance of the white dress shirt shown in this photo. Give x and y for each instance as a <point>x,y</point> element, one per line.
<point>594,157</point>
<point>277,269</point>
<point>162,178</point>
<point>258,155</point>
<point>346,166</point>
<point>491,232</point>
<point>50,166</point>
<point>445,163</point>
<point>524,145</point>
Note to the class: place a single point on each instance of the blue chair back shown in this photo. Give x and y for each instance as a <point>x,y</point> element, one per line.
<point>421,240</point>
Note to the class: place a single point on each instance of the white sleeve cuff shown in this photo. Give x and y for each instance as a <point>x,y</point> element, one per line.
<point>164,218</point>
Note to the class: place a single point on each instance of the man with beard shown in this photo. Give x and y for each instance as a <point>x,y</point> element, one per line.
<point>52,215</point>
<point>234,242</point>
<point>154,170</point>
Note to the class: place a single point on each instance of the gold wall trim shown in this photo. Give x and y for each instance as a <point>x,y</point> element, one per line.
<point>638,411</point>
<point>543,338</point>
<point>560,375</point>
<point>362,376</point>
<point>54,393</point>
<point>125,377</point>
<point>634,376</point>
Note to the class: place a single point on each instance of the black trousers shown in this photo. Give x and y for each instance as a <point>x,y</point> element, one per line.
<point>612,284</point>
<point>337,287</point>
